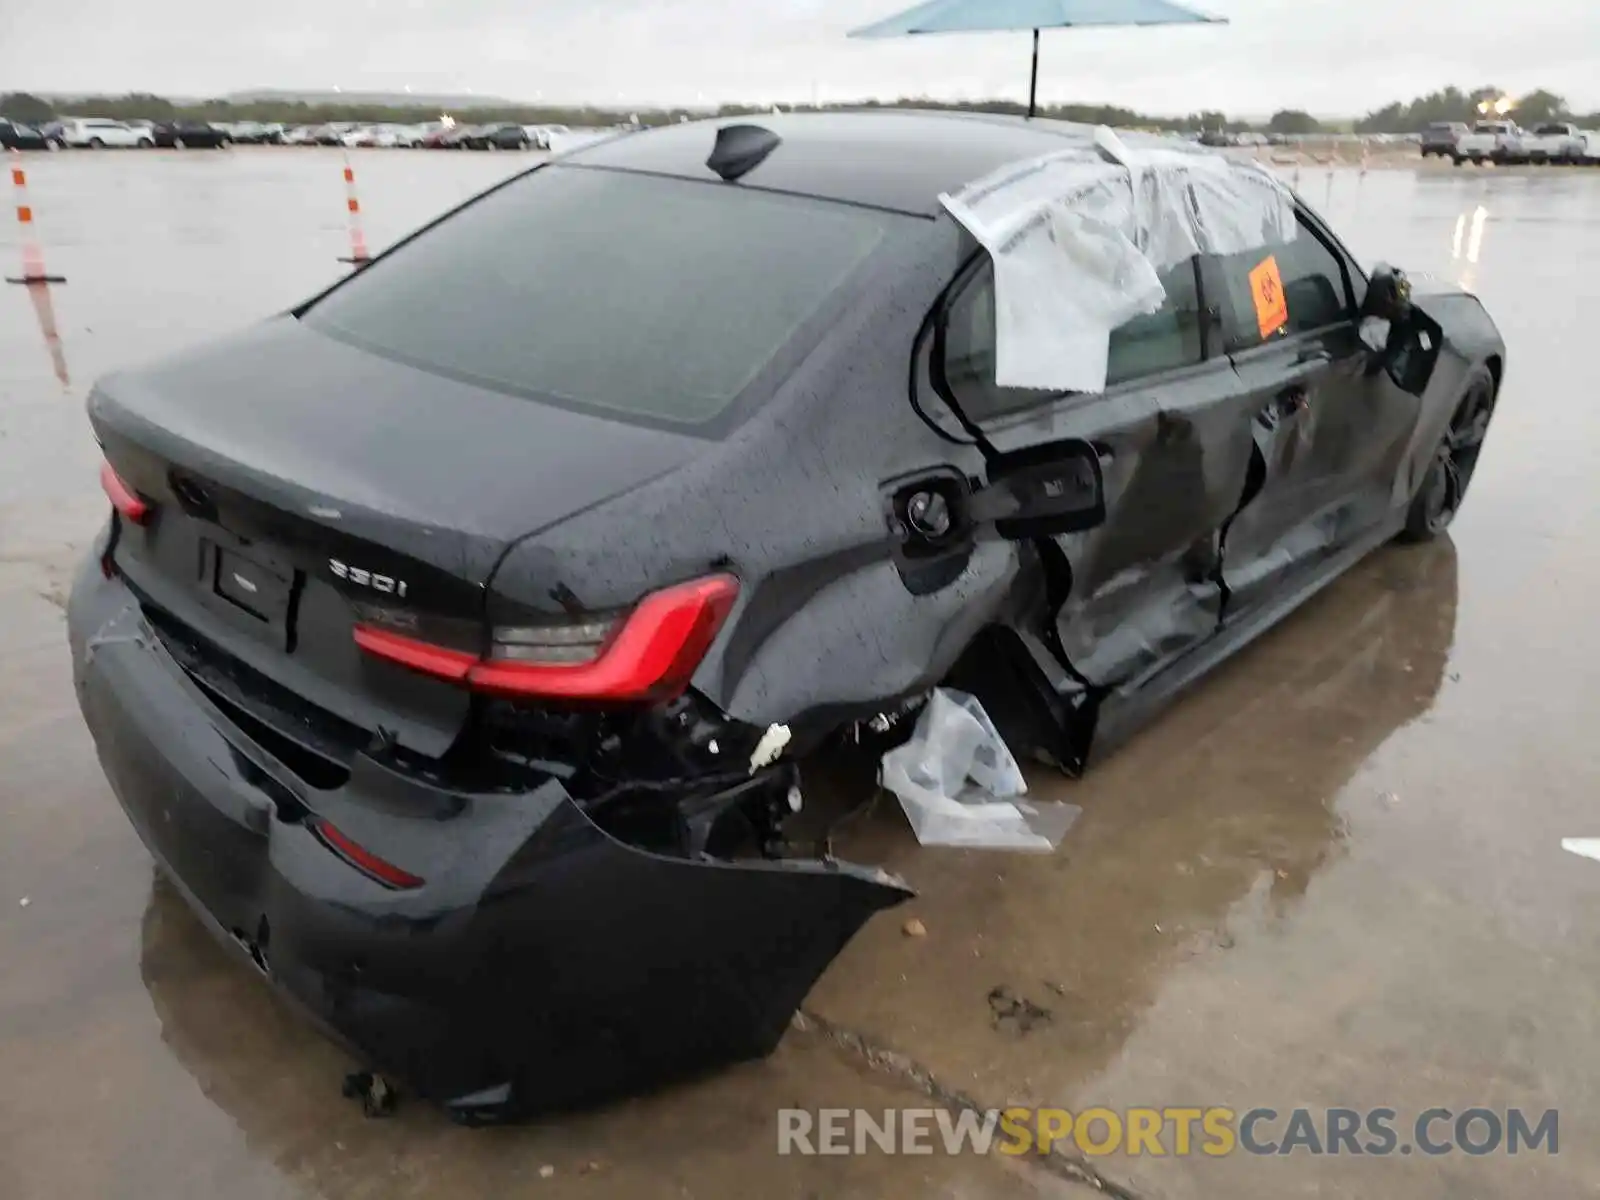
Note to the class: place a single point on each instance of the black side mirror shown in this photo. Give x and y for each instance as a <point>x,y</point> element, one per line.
<point>1388,295</point>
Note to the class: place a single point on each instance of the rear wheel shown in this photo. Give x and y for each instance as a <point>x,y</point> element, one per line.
<point>1445,485</point>
<point>96,144</point>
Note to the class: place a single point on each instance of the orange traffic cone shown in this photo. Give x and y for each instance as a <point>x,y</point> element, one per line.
<point>32,255</point>
<point>358,240</point>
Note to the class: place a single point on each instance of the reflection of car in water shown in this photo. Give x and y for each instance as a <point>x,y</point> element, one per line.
<point>1372,662</point>
<point>496,777</point>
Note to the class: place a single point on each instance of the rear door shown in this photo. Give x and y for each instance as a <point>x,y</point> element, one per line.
<point>1174,450</point>
<point>1326,437</point>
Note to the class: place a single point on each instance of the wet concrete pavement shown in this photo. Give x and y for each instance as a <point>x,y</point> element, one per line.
<point>1331,876</point>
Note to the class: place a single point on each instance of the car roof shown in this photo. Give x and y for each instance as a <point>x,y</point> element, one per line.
<point>899,159</point>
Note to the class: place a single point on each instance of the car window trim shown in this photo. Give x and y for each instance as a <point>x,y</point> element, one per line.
<point>963,280</point>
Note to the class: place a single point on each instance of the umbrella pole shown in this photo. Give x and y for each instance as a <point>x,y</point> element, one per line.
<point>1033,81</point>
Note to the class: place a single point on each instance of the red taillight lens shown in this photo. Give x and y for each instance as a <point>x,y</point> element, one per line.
<point>419,656</point>
<point>649,655</point>
<point>123,498</point>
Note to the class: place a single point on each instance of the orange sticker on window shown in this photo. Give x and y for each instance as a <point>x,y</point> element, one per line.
<point>1266,289</point>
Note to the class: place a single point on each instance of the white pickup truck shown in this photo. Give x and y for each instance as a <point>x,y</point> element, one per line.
<point>1554,143</point>
<point>1490,141</point>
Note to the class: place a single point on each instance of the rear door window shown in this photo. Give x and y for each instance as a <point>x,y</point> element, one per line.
<point>1169,338</point>
<point>634,295</point>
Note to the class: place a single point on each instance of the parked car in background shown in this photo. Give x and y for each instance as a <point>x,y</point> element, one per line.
<point>542,134</point>
<point>435,138</point>
<point>457,137</point>
<point>333,133</point>
<point>22,137</point>
<point>253,133</point>
<point>384,136</point>
<point>1556,142</point>
<point>299,135</point>
<point>98,133</point>
<point>1441,137</point>
<point>499,137</point>
<point>1490,141</point>
<point>190,135</point>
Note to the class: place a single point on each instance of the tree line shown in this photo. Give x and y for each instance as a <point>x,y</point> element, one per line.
<point>1451,104</point>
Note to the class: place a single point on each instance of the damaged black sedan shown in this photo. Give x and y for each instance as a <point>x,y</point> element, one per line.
<point>454,638</point>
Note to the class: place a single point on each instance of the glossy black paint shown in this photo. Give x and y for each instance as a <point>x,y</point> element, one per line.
<point>1091,557</point>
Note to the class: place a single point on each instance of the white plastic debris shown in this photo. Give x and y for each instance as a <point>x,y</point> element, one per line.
<point>1079,238</point>
<point>771,745</point>
<point>960,786</point>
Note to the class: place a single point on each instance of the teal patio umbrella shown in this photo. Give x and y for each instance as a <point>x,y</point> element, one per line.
<point>974,16</point>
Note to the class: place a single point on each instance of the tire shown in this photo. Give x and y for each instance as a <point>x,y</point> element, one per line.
<point>1457,159</point>
<point>179,144</point>
<point>1444,486</point>
<point>96,144</point>
<point>145,144</point>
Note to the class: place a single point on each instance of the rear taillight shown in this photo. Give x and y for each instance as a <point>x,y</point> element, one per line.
<point>123,498</point>
<point>647,654</point>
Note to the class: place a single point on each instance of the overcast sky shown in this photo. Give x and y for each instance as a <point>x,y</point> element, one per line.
<point>1329,56</point>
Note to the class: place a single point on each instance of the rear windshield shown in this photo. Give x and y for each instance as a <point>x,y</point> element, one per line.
<point>640,296</point>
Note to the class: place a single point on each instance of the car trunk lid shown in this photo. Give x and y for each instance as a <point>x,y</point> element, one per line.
<point>299,485</point>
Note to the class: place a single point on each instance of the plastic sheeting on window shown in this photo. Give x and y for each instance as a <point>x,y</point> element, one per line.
<point>960,786</point>
<point>1079,238</point>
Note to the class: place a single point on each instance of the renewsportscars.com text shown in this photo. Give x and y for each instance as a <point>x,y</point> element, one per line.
<point>1157,1132</point>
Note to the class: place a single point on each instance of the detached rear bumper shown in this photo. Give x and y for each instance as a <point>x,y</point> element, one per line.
<point>540,964</point>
